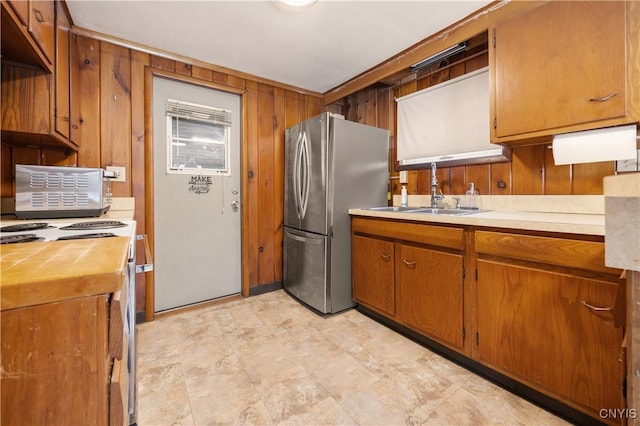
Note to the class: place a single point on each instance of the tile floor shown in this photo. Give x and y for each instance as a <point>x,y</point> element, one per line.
<point>268,360</point>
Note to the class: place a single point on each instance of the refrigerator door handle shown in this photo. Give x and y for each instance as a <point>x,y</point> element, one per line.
<point>296,175</point>
<point>306,179</point>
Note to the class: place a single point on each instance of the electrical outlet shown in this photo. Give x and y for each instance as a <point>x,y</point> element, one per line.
<point>120,173</point>
<point>628,165</point>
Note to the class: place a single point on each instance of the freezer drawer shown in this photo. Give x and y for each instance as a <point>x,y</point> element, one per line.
<point>306,268</point>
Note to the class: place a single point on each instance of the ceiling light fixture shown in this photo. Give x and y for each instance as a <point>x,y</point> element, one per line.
<point>439,56</point>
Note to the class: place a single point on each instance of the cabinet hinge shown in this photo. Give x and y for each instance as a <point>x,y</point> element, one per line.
<point>476,274</point>
<point>494,41</point>
<point>463,274</point>
<point>464,333</point>
<point>495,123</point>
<point>477,338</point>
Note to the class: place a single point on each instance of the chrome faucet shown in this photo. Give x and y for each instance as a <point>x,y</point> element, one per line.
<point>435,197</point>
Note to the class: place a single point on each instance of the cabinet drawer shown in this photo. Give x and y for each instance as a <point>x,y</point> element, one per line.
<point>415,232</point>
<point>586,255</point>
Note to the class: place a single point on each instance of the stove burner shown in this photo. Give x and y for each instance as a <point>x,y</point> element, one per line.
<point>21,227</point>
<point>96,224</point>
<point>20,238</point>
<point>87,236</point>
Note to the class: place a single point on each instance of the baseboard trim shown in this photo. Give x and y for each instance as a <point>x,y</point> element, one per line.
<point>265,288</point>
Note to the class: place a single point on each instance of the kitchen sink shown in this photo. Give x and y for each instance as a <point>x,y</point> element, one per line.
<point>425,210</point>
<point>395,209</point>
<point>453,212</point>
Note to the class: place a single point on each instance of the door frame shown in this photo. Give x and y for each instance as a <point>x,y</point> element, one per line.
<point>149,75</point>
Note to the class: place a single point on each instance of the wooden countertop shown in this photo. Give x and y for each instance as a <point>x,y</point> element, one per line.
<point>45,272</point>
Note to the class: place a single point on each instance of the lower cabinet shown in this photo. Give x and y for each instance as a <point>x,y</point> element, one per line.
<point>411,273</point>
<point>429,293</point>
<point>65,363</point>
<point>541,306</point>
<point>545,316</point>
<point>553,330</point>
<point>373,274</point>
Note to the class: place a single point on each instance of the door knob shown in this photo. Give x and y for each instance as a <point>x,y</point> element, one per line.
<point>234,205</point>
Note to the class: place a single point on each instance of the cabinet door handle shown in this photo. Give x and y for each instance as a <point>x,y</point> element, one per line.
<point>67,119</point>
<point>408,264</point>
<point>597,308</point>
<point>385,257</point>
<point>603,98</point>
<point>39,16</point>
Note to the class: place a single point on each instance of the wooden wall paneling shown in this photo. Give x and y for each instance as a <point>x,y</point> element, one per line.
<point>89,102</point>
<point>161,63</point>
<point>266,183</point>
<point>25,155</point>
<point>58,157</point>
<point>201,73</point>
<point>557,179</point>
<point>115,111</point>
<point>587,178</point>
<point>182,68</point>
<point>453,180</point>
<point>420,181</point>
<point>279,123</point>
<point>528,167</point>
<point>252,209</point>
<point>313,106</point>
<point>137,174</point>
<point>500,175</point>
<point>479,175</point>
<point>6,166</point>
<point>139,62</point>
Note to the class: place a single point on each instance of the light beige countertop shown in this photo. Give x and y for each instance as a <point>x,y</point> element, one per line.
<point>563,214</point>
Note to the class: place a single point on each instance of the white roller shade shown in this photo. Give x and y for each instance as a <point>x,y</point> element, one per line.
<point>447,121</point>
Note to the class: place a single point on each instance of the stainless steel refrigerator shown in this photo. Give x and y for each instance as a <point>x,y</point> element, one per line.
<point>331,165</point>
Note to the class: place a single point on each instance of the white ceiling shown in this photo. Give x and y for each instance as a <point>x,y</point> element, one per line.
<point>316,48</point>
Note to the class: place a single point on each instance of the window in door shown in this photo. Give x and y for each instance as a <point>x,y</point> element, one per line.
<point>198,139</point>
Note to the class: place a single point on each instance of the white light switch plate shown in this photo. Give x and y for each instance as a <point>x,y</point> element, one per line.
<point>120,173</point>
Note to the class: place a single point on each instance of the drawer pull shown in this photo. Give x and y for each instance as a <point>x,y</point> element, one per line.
<point>408,264</point>
<point>39,16</point>
<point>596,308</point>
<point>385,257</point>
<point>603,98</point>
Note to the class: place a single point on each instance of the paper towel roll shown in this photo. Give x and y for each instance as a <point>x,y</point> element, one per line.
<point>609,144</point>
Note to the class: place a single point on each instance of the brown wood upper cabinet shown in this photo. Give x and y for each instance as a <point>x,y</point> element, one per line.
<point>66,111</point>
<point>565,66</point>
<point>28,32</point>
<point>39,104</point>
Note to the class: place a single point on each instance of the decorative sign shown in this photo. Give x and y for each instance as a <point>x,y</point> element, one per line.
<point>200,184</point>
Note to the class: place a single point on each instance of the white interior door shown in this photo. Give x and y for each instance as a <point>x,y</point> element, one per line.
<point>196,194</point>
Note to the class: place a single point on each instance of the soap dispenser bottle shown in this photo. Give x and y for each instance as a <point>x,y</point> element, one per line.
<point>404,198</point>
<point>471,198</point>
